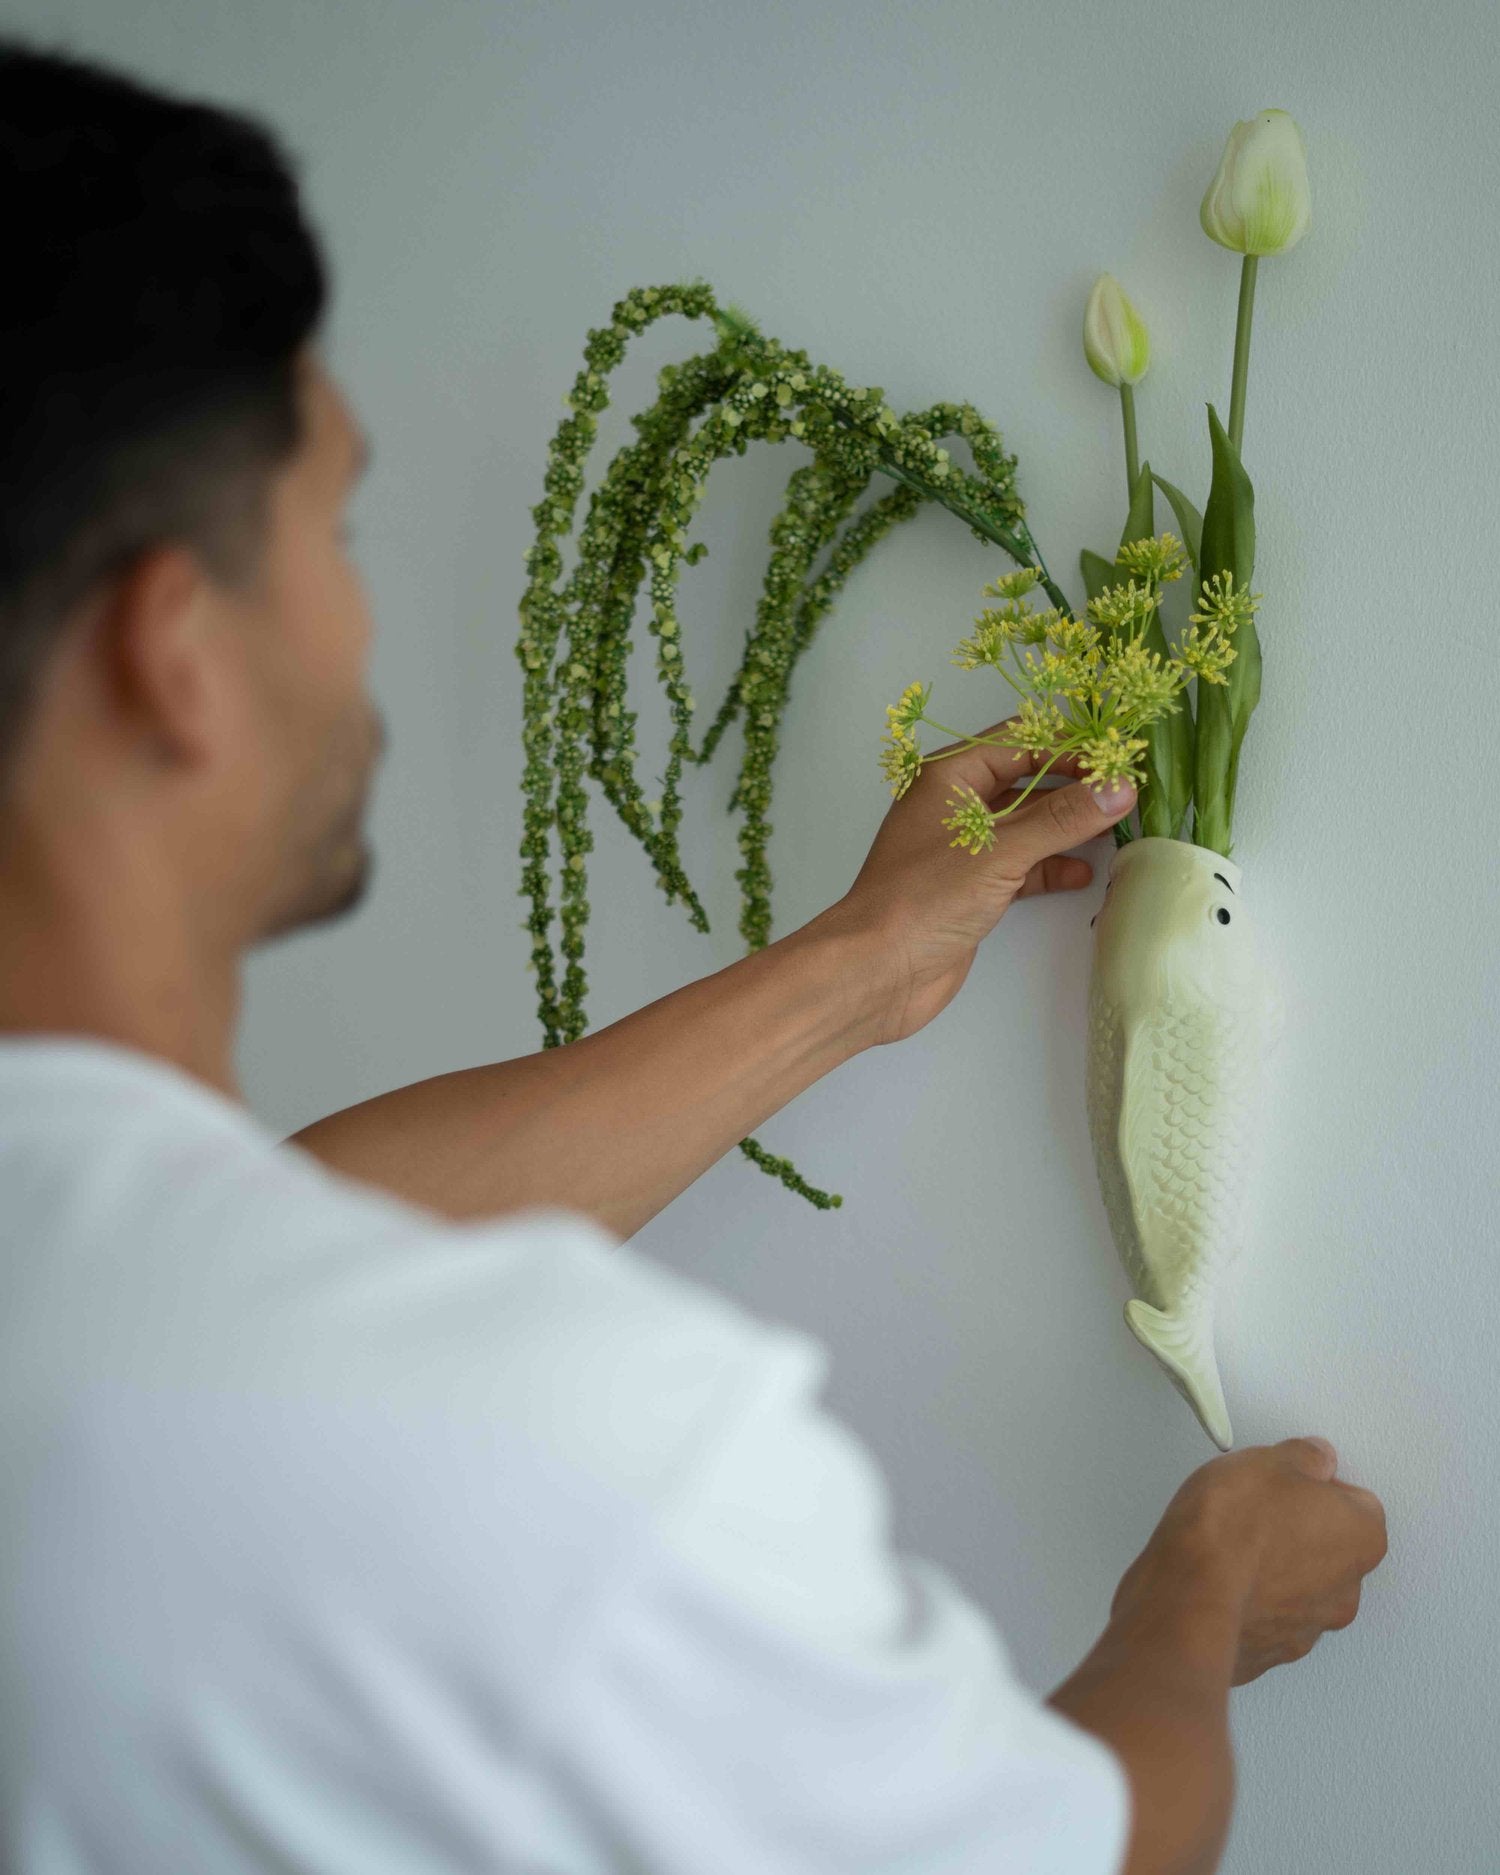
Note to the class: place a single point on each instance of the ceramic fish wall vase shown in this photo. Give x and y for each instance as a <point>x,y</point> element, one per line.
<point>1182,1014</point>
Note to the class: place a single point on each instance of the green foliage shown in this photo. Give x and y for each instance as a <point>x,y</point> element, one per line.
<point>1168,787</point>
<point>1228,552</point>
<point>1188,517</point>
<point>1098,573</point>
<point>574,641</point>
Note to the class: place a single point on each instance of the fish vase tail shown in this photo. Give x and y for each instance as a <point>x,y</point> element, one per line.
<point>1183,1344</point>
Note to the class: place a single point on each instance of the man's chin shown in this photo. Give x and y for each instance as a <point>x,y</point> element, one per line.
<point>358,886</point>
<point>334,901</point>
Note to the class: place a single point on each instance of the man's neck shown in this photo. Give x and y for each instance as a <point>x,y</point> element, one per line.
<point>137,987</point>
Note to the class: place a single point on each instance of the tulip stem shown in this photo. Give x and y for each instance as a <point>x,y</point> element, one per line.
<point>1242,350</point>
<point>1132,460</point>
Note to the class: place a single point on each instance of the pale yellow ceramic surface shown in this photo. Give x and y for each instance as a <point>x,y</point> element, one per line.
<point>1182,1012</point>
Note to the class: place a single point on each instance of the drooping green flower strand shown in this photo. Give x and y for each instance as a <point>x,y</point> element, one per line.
<point>592,680</point>
<point>765,690</point>
<point>726,431</point>
<point>635,479</point>
<point>752,388</point>
<point>808,519</point>
<point>542,611</point>
<point>744,415</point>
<point>788,536</point>
<point>865,532</point>
<point>783,1169</point>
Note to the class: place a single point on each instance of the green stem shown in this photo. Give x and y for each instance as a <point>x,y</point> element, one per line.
<point>971,741</point>
<point>1064,748</point>
<point>1242,350</point>
<point>1020,546</point>
<point>1132,459</point>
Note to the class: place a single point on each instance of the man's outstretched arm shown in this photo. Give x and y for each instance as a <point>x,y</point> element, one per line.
<point>616,1124</point>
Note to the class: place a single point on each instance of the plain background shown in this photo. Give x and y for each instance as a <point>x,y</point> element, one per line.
<point>922,197</point>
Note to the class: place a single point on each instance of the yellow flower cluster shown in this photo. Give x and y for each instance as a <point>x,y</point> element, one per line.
<point>1014,585</point>
<point>901,760</point>
<point>1126,608</point>
<point>1204,648</point>
<point>1112,757</point>
<point>1037,728</point>
<point>972,821</point>
<point>1161,558</point>
<point>1222,605</point>
<point>1099,667</point>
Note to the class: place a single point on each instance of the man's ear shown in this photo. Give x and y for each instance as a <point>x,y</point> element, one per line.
<point>166,655</point>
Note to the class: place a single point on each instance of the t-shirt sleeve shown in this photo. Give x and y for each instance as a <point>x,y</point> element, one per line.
<point>769,1685</point>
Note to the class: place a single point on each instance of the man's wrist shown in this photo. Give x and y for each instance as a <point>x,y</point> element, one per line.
<point>1155,1689</point>
<point>855,963</point>
<point>1186,1605</point>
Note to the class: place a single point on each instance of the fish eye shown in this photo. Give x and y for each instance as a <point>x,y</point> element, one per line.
<point>1222,915</point>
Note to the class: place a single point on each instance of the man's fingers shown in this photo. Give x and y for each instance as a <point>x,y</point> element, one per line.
<point>1053,873</point>
<point>1058,873</point>
<point>990,766</point>
<point>1313,1454</point>
<point>1051,820</point>
<point>1056,819</point>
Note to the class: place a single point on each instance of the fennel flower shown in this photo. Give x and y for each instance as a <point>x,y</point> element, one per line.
<point>1113,683</point>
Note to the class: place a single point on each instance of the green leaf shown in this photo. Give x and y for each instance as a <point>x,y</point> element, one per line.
<point>1188,518</point>
<point>1211,757</point>
<point>1097,572</point>
<point>1229,519</point>
<point>1141,521</point>
<point>1224,710</point>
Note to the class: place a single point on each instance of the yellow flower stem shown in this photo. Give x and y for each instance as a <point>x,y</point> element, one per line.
<point>973,742</point>
<point>1132,462</point>
<point>1020,689</point>
<point>1020,801</point>
<point>1242,350</point>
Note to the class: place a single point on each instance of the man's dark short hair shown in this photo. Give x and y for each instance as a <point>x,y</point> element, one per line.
<point>160,282</point>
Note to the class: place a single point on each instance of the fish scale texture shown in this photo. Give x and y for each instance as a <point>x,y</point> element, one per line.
<point>1173,1175</point>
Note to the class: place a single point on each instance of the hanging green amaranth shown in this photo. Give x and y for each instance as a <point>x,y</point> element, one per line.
<point>574,643</point>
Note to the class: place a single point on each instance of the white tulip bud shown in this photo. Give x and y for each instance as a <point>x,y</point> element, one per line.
<point>1258,203</point>
<point>1115,340</point>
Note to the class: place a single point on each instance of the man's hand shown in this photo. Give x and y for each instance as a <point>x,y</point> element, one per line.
<point>1260,1552</point>
<point>1296,1541</point>
<point>925,905</point>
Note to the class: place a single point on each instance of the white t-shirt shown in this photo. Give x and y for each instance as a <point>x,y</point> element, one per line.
<point>336,1536</point>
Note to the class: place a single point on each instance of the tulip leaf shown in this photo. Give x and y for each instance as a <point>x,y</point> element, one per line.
<point>1097,572</point>
<point>1140,524</point>
<point>1188,518</point>
<point>1224,710</point>
<point>1228,541</point>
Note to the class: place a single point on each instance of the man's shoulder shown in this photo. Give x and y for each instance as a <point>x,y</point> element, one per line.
<point>177,1249</point>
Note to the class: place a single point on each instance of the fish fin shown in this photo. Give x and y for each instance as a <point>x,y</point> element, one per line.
<point>1183,1344</point>
<point>1106,1057</point>
<point>1135,1136</point>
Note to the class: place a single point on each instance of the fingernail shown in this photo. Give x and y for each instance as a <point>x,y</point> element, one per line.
<point>1115,799</point>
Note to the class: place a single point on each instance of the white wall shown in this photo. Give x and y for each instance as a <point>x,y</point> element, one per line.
<point>922,197</point>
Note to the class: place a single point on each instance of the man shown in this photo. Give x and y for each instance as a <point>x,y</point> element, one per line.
<point>369,1505</point>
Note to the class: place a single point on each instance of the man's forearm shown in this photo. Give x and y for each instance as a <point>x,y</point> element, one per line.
<point>1155,1688</point>
<point>619,1122</point>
